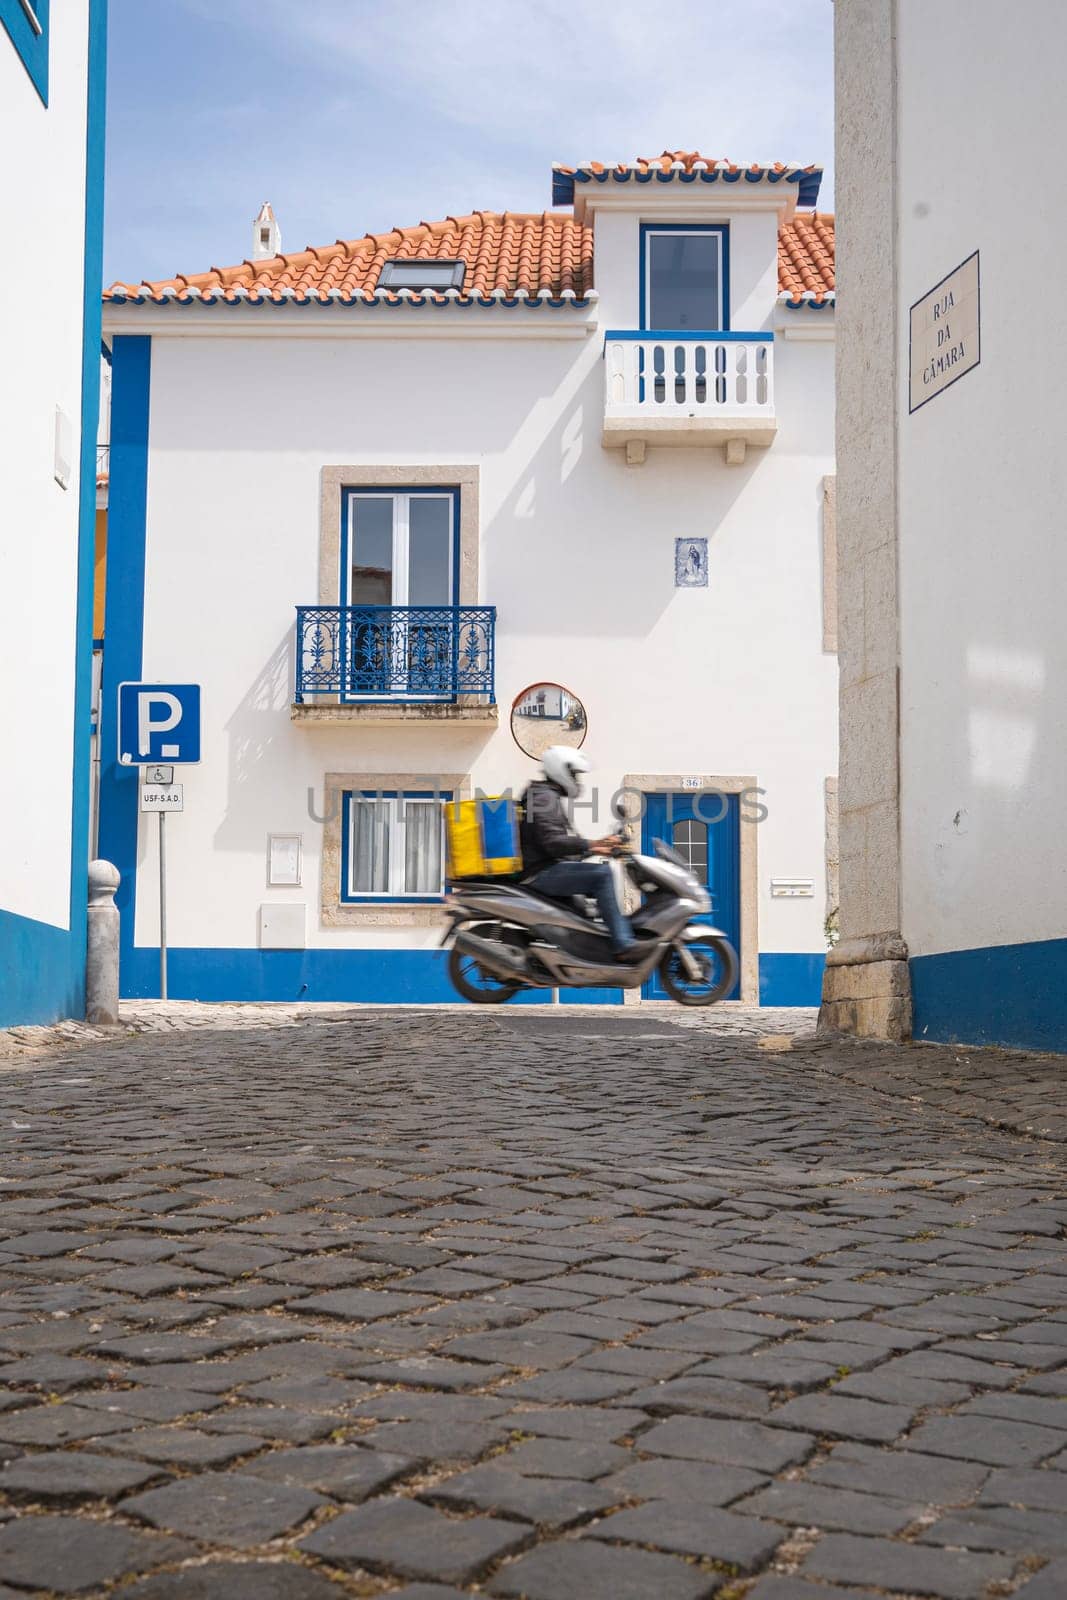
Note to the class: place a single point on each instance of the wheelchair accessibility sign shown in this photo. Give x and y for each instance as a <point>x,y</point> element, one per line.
<point>159,722</point>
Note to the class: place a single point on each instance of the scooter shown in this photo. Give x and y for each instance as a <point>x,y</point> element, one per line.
<point>504,937</point>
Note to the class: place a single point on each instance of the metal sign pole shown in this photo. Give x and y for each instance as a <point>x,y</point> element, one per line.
<point>162,905</point>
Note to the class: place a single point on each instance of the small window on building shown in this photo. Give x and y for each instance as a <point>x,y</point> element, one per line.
<point>393,846</point>
<point>418,275</point>
<point>685,276</point>
<point>26,23</point>
<point>690,839</point>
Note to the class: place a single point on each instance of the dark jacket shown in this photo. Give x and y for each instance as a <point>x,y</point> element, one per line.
<point>546,833</point>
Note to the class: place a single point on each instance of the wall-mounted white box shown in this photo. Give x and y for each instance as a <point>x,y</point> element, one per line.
<point>283,927</point>
<point>283,859</point>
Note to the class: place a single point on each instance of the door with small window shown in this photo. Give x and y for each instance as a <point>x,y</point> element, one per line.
<point>398,577</point>
<point>704,828</point>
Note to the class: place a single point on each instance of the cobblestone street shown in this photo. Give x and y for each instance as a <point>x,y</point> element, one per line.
<point>568,1306</point>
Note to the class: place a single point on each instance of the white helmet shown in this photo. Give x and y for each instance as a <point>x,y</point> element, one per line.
<point>562,766</point>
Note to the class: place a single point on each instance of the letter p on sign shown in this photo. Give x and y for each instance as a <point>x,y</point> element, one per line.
<point>159,722</point>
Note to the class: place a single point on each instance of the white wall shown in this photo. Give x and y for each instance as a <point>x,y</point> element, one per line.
<point>577,554</point>
<point>983,481</point>
<point>42,215</point>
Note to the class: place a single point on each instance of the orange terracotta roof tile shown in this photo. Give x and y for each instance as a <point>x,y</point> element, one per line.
<point>688,166</point>
<point>508,255</point>
<point>806,256</point>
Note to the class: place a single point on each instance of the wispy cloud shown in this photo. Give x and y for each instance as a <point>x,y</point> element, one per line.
<point>355,115</point>
<point>740,76</point>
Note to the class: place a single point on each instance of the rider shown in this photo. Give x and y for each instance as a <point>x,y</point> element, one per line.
<point>551,849</point>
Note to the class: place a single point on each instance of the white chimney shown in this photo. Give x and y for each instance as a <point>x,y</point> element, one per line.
<point>266,235</point>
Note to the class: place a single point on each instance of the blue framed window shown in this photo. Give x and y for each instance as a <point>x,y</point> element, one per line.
<point>399,547</point>
<point>398,579</point>
<point>685,277</point>
<point>393,845</point>
<point>26,22</point>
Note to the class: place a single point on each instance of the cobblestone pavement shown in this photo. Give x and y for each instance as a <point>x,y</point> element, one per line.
<point>570,1307</point>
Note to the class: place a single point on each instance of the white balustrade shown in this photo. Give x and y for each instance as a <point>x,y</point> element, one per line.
<point>689,376</point>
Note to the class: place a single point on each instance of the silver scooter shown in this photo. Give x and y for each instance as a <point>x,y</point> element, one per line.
<point>504,937</point>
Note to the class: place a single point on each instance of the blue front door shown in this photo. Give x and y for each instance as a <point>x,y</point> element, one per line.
<point>705,830</point>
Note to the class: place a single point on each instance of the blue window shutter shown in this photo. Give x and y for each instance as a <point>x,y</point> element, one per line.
<point>31,41</point>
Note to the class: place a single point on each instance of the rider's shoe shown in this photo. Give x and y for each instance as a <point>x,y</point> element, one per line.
<point>630,952</point>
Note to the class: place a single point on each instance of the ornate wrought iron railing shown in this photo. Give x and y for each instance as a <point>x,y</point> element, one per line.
<point>395,652</point>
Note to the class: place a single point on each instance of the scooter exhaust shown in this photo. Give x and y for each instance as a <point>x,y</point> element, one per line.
<point>495,958</point>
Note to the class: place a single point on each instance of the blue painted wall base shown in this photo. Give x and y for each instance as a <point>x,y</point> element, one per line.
<point>40,976</point>
<point>1013,995</point>
<point>388,977</point>
<point>793,978</point>
<point>385,977</point>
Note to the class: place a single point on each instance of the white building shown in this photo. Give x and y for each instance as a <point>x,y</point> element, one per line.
<point>952,393</point>
<point>52,61</point>
<point>451,424</point>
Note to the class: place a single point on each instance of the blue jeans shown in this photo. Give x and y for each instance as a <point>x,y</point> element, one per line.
<point>594,878</point>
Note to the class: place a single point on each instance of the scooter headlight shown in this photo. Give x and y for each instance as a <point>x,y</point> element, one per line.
<point>703,897</point>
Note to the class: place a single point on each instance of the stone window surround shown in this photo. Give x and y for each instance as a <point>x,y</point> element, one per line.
<point>445,476</point>
<point>672,782</point>
<point>382,913</point>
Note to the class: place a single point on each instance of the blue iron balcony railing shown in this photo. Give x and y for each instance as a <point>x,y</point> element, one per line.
<point>395,652</point>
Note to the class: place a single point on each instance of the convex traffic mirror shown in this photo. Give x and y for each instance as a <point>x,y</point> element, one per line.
<point>546,714</point>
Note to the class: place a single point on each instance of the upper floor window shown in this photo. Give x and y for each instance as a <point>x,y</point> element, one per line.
<point>685,278</point>
<point>26,22</point>
<point>399,565</point>
<point>398,548</point>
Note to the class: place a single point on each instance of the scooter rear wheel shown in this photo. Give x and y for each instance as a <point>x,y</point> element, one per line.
<point>481,988</point>
<point>717,958</point>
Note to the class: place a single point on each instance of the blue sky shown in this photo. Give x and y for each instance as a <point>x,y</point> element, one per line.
<point>357,115</point>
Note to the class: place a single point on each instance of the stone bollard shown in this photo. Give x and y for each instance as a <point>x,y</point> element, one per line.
<point>102,951</point>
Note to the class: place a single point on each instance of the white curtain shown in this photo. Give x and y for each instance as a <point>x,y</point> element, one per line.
<point>369,850</point>
<point>423,847</point>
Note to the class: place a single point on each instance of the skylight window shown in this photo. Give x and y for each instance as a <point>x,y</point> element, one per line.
<point>411,274</point>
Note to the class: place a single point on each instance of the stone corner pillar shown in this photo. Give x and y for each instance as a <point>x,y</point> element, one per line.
<point>866,989</point>
<point>102,947</point>
<point>866,985</point>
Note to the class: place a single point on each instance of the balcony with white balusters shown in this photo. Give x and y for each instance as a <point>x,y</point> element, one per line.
<point>688,388</point>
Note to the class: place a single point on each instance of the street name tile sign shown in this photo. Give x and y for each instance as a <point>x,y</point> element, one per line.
<point>945,337</point>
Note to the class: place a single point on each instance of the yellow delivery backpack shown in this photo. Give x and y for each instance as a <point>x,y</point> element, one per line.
<point>482,837</point>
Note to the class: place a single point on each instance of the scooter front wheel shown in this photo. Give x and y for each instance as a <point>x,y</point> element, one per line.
<point>717,960</point>
<point>481,988</point>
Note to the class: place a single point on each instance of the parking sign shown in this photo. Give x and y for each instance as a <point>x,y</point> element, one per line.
<point>159,722</point>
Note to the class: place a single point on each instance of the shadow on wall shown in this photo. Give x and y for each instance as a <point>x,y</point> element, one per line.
<point>261,715</point>
<point>381,400</point>
<point>264,747</point>
<point>992,878</point>
<point>1003,773</point>
<point>590,552</point>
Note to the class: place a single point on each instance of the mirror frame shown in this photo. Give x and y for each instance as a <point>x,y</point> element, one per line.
<point>545,683</point>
